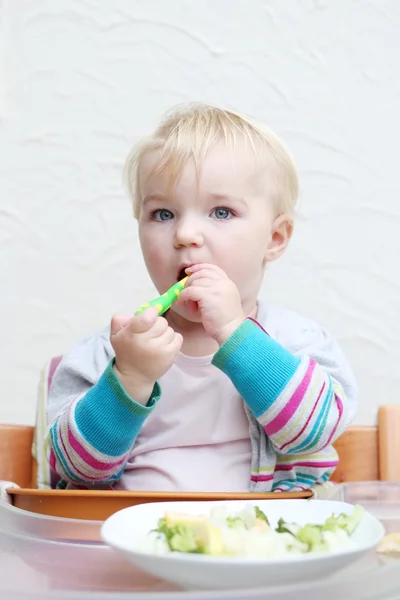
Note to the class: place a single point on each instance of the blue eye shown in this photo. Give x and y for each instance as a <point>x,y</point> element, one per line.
<point>222,213</point>
<point>162,214</point>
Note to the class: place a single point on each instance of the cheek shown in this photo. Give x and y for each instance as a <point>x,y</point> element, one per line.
<point>244,257</point>
<point>153,248</point>
<point>248,242</point>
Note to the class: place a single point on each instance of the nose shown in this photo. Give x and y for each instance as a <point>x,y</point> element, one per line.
<point>188,233</point>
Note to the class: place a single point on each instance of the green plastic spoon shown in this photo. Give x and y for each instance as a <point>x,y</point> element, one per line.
<point>164,302</point>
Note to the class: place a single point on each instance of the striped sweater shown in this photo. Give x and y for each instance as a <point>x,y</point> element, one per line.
<point>298,392</point>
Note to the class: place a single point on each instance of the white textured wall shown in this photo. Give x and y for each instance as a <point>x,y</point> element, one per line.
<point>83,79</point>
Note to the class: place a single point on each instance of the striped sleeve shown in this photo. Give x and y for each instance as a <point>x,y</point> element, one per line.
<point>90,441</point>
<point>298,403</point>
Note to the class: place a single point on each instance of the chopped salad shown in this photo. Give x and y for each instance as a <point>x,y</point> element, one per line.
<point>248,533</point>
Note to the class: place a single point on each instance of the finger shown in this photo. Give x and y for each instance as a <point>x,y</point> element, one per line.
<point>118,322</point>
<point>168,342</point>
<point>204,274</point>
<point>204,280</point>
<point>193,307</point>
<point>190,305</point>
<point>204,266</point>
<point>143,321</point>
<point>175,344</point>
<point>159,328</point>
<point>195,293</point>
<point>166,337</point>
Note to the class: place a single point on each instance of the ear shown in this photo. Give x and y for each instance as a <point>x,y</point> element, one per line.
<point>282,229</point>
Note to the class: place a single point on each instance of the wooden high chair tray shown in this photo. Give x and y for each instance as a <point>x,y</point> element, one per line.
<point>99,505</point>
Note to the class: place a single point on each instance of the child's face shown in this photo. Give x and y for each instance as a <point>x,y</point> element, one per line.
<point>226,218</point>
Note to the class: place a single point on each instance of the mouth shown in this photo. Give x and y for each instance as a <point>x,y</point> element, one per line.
<point>182,272</point>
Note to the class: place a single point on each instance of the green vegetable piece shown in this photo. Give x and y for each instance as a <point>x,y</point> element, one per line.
<point>261,515</point>
<point>283,527</point>
<point>312,536</point>
<point>180,538</point>
<point>235,522</point>
<point>347,522</point>
<point>184,540</point>
<point>163,527</point>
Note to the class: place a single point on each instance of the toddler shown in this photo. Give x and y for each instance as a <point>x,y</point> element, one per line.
<point>224,392</point>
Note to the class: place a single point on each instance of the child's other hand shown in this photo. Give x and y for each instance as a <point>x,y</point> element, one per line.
<point>145,347</point>
<point>217,298</point>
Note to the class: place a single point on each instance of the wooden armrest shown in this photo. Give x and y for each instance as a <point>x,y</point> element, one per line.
<point>16,454</point>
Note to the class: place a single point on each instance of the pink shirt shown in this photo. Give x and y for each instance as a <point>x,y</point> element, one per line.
<point>194,440</point>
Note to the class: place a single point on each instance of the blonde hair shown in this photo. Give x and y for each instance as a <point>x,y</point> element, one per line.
<point>190,131</point>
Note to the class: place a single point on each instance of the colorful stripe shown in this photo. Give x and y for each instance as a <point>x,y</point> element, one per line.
<point>261,477</point>
<point>306,419</point>
<point>292,405</point>
<point>310,463</point>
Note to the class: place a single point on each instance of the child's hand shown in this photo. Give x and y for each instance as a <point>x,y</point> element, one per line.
<point>145,347</point>
<point>217,299</point>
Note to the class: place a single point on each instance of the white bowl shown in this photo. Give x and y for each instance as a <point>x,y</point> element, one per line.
<point>124,530</point>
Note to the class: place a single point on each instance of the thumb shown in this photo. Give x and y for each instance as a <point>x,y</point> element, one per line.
<point>118,322</point>
<point>144,320</point>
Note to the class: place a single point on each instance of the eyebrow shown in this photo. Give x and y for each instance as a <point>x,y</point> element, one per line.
<point>155,198</point>
<point>225,197</point>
